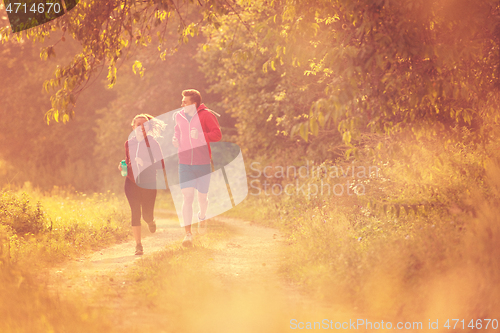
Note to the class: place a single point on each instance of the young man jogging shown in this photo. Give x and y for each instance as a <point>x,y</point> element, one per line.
<point>195,128</point>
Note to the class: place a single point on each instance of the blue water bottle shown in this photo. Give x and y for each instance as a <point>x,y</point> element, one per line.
<point>124,168</point>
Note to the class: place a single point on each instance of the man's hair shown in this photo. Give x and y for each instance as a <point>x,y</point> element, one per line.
<point>194,95</point>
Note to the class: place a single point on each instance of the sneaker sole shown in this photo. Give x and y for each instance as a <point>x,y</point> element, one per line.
<point>152,228</point>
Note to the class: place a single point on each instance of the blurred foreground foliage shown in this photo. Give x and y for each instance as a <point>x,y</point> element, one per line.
<point>28,307</point>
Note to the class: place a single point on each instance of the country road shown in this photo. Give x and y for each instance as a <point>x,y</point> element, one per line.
<point>234,287</point>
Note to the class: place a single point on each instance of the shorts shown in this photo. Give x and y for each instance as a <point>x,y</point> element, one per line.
<point>197,176</point>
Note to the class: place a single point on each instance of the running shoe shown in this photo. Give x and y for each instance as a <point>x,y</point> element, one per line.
<point>139,251</point>
<point>152,226</point>
<point>202,224</point>
<point>188,240</point>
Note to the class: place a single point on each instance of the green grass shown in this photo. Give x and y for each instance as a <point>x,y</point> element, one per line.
<point>398,265</point>
<point>45,228</point>
<point>38,230</point>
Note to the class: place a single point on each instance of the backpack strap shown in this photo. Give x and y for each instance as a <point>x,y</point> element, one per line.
<point>213,112</point>
<point>218,115</point>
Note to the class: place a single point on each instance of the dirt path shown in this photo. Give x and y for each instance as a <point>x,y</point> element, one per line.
<point>246,292</point>
<point>111,263</point>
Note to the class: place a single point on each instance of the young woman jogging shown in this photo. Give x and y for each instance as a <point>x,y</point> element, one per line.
<point>143,157</point>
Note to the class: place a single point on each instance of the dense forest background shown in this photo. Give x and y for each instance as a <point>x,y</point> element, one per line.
<point>321,80</point>
<point>83,153</point>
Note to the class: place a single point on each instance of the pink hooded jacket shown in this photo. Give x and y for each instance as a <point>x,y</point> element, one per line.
<point>196,151</point>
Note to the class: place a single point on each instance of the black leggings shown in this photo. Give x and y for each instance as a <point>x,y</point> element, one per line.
<point>138,197</point>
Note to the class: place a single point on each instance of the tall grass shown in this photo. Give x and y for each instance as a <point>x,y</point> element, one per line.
<point>49,227</point>
<point>38,230</point>
<point>422,243</point>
